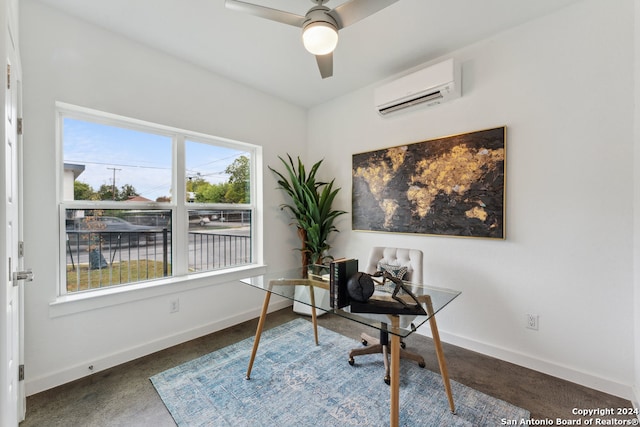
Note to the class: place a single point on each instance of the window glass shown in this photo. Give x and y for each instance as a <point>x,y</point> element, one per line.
<point>219,238</point>
<point>125,223</point>
<point>104,162</point>
<point>218,177</point>
<point>216,174</point>
<point>107,247</point>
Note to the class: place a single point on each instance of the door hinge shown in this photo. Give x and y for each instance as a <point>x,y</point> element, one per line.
<point>19,126</point>
<point>8,76</point>
<point>21,249</point>
<point>21,373</point>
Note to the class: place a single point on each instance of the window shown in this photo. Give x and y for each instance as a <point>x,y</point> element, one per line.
<point>142,202</point>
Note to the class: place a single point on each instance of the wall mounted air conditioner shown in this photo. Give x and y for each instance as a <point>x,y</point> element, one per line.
<point>430,86</point>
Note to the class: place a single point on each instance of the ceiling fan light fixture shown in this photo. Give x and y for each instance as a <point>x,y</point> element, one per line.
<point>320,38</point>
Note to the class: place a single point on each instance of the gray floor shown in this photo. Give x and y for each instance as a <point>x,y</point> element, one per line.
<point>124,396</point>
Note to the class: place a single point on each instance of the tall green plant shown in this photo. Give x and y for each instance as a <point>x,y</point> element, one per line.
<point>311,208</point>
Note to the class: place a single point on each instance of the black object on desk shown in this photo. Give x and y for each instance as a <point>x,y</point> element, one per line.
<point>385,307</point>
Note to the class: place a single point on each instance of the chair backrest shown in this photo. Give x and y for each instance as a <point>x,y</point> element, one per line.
<point>411,258</point>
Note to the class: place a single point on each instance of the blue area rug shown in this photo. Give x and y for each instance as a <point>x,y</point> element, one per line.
<point>296,383</point>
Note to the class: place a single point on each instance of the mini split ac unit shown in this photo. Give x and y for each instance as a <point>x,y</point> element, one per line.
<point>432,85</point>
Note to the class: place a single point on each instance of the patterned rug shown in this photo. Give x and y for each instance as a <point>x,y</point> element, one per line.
<point>296,383</point>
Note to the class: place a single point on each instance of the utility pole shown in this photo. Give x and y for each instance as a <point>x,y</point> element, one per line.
<point>113,186</point>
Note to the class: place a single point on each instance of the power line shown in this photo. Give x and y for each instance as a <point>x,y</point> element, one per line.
<point>219,160</point>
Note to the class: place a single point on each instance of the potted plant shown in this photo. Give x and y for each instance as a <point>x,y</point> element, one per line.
<point>311,208</point>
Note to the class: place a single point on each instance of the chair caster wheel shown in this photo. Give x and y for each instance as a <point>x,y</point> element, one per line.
<point>364,342</point>
<point>387,379</point>
<point>351,361</point>
<point>422,365</point>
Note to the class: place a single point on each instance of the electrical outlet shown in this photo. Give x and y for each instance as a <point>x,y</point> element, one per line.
<point>174,306</point>
<point>532,321</point>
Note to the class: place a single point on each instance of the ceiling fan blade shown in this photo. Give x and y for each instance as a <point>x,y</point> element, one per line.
<point>355,10</point>
<point>266,12</point>
<point>325,64</point>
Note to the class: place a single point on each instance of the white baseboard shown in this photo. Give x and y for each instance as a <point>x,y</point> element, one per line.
<point>45,382</point>
<point>567,373</point>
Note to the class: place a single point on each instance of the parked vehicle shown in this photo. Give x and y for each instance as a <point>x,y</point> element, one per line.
<point>109,230</point>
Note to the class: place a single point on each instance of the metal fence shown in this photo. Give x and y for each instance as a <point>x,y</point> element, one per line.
<point>97,259</point>
<point>214,251</point>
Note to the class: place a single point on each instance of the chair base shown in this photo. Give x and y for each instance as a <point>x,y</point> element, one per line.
<point>381,345</point>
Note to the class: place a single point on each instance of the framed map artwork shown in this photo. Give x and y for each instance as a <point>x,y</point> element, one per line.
<point>450,186</point>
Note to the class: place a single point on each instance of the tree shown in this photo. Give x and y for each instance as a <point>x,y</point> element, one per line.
<point>213,193</point>
<point>196,184</point>
<point>239,175</point>
<point>83,191</point>
<point>105,192</point>
<point>127,191</point>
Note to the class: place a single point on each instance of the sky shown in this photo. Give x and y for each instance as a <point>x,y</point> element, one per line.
<point>140,159</point>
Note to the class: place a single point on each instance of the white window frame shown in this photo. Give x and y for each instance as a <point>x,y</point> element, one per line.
<point>178,206</point>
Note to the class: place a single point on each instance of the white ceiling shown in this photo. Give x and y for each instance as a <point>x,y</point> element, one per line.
<point>269,56</point>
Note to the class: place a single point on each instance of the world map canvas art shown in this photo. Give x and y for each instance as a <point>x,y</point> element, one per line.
<point>450,186</point>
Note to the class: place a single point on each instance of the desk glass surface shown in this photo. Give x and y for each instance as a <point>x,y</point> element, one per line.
<point>284,283</point>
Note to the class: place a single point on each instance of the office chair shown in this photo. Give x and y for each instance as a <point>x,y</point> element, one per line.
<point>390,259</point>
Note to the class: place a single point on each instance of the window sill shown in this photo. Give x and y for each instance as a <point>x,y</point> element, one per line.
<point>85,301</point>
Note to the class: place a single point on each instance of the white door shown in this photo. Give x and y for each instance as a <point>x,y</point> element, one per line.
<point>12,399</point>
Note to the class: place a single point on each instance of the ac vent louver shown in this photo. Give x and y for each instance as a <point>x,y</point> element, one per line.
<point>431,86</point>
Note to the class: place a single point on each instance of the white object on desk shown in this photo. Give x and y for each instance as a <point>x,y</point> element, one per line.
<point>302,292</point>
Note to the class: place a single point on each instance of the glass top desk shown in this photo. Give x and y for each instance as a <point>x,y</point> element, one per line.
<point>432,300</point>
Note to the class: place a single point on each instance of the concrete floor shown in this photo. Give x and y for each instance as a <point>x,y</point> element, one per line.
<point>124,396</point>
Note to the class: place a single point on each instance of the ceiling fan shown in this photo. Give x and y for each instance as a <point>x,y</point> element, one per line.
<point>319,26</point>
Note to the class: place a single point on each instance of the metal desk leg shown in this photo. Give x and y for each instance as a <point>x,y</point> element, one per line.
<point>441,361</point>
<point>395,374</point>
<point>256,340</point>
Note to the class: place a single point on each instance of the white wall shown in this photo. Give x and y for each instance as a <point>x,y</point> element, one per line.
<point>67,60</point>
<point>563,86</point>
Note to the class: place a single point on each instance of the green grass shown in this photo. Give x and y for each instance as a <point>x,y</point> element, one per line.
<point>117,273</point>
